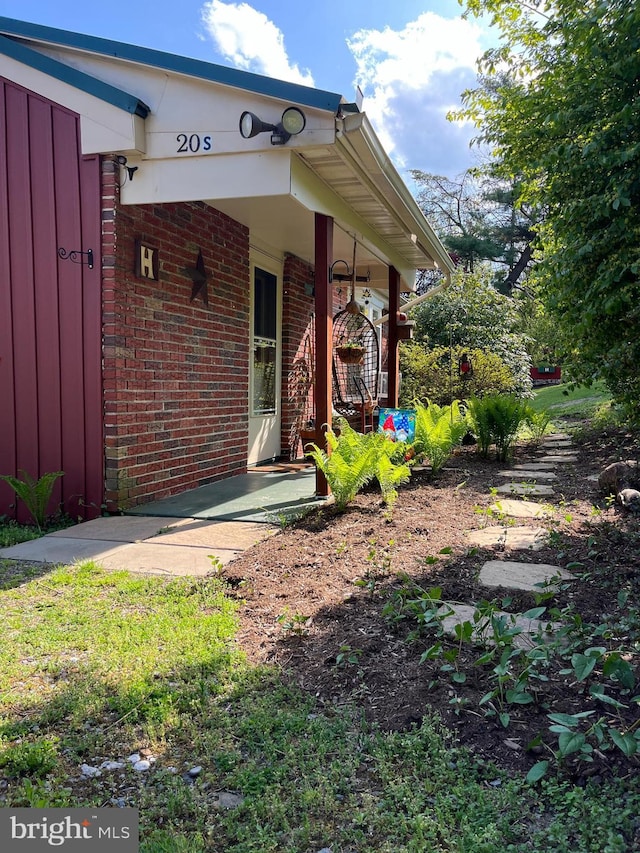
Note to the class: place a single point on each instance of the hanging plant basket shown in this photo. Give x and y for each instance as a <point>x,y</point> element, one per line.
<point>351,354</point>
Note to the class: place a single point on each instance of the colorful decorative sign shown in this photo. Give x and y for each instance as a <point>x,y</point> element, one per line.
<point>398,424</point>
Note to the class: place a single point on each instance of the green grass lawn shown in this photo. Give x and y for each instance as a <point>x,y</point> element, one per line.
<point>95,666</point>
<point>578,402</point>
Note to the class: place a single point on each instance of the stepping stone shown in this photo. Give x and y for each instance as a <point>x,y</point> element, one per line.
<point>457,614</point>
<point>524,538</point>
<point>529,474</point>
<point>557,436</point>
<point>533,466</point>
<point>556,444</point>
<point>559,457</point>
<point>517,575</point>
<point>524,489</point>
<point>521,509</point>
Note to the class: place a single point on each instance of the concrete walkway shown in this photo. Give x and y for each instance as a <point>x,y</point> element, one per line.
<point>189,533</point>
<point>149,545</point>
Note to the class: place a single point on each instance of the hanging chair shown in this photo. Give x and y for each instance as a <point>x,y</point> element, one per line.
<point>355,367</point>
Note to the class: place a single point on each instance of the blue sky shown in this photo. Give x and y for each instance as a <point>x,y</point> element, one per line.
<point>411,58</point>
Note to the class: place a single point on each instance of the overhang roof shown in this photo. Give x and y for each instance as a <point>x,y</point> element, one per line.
<point>337,167</point>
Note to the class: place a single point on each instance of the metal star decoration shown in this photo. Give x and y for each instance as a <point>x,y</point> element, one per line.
<point>198,276</point>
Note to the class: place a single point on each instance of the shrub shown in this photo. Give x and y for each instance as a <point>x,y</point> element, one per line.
<point>432,374</point>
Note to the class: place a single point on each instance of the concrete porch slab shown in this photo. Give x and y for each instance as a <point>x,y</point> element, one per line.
<point>60,549</point>
<point>116,528</point>
<point>234,535</point>
<point>152,558</point>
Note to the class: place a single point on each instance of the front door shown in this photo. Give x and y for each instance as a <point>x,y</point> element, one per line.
<point>264,394</point>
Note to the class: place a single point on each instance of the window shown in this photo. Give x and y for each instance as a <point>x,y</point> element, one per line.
<point>265,296</point>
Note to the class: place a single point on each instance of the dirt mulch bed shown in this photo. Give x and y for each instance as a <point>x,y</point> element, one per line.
<point>318,589</point>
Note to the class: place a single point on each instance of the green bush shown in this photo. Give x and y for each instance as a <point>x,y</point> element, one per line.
<point>496,419</point>
<point>432,374</point>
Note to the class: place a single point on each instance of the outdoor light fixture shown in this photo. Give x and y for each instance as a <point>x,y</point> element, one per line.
<point>292,123</point>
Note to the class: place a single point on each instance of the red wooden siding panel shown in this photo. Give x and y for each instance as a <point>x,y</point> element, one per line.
<point>50,313</point>
<point>67,213</point>
<point>21,278</point>
<point>7,405</point>
<point>46,293</point>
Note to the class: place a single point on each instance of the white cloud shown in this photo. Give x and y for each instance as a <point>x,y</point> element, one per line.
<point>410,79</point>
<point>249,40</point>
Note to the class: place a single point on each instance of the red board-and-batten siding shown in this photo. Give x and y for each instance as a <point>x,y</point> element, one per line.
<point>50,309</point>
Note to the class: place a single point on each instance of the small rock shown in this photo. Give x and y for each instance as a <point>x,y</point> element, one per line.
<point>89,772</point>
<point>228,800</point>
<point>617,476</point>
<point>629,498</point>
<point>133,758</point>
<point>195,771</point>
<point>142,765</point>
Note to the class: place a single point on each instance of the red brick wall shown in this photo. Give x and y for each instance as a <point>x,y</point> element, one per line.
<point>175,371</point>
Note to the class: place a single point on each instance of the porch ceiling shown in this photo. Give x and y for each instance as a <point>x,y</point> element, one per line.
<point>283,224</point>
<point>367,201</point>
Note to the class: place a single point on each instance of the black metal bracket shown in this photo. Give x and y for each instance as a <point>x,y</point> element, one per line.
<point>348,276</point>
<point>73,256</point>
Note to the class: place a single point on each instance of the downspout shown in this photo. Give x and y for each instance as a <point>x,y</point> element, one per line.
<point>413,302</point>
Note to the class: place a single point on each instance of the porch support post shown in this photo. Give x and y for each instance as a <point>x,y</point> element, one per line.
<point>324,334</point>
<point>392,358</point>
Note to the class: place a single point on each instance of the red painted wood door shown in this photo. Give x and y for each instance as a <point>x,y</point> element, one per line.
<point>50,308</point>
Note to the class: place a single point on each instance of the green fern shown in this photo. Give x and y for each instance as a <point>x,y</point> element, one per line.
<point>390,475</point>
<point>496,420</point>
<point>349,466</point>
<point>356,460</point>
<point>438,430</point>
<point>480,415</point>
<point>35,494</point>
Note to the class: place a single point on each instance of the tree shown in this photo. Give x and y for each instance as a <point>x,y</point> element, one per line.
<point>567,123</point>
<point>472,314</point>
<point>479,218</point>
